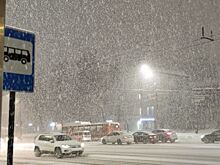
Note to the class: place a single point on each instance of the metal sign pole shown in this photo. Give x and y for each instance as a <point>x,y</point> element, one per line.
<point>11,120</point>
<point>2,34</point>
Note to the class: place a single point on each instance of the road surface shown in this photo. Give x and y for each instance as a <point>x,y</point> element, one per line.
<point>97,154</point>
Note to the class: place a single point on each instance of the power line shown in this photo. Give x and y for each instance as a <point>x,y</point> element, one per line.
<point>183,34</point>
<point>124,54</point>
<point>184,47</point>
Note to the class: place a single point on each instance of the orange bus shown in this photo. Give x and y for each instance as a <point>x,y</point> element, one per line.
<point>97,130</point>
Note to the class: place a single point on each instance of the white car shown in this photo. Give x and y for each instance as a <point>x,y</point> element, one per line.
<point>58,144</point>
<point>117,137</point>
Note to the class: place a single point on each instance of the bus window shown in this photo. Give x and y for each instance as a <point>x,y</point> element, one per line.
<point>25,52</point>
<point>17,51</point>
<point>93,128</point>
<point>11,50</point>
<point>86,128</point>
<point>80,128</point>
<point>86,133</point>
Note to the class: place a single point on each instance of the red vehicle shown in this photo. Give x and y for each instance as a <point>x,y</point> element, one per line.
<point>97,130</point>
<point>165,135</point>
<point>145,137</point>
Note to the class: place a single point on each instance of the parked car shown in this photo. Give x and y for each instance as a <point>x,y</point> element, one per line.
<point>117,137</point>
<point>212,137</point>
<point>165,135</point>
<point>145,137</point>
<point>58,144</point>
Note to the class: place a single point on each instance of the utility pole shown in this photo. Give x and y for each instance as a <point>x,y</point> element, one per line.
<point>156,111</point>
<point>210,38</point>
<point>2,34</point>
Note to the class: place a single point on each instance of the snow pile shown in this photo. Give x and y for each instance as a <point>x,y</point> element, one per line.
<point>192,137</point>
<point>189,137</point>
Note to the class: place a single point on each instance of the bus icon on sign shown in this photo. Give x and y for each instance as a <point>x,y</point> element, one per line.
<point>16,54</point>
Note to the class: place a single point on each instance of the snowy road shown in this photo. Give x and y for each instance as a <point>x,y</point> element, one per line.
<point>96,153</point>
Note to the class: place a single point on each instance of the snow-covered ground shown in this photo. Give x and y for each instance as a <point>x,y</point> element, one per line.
<point>26,143</point>
<point>191,136</point>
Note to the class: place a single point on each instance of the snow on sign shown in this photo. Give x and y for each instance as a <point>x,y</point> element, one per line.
<point>19,46</point>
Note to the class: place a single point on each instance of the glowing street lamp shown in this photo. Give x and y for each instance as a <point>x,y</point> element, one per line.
<point>146,72</point>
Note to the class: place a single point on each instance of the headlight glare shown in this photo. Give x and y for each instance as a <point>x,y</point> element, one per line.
<point>65,146</point>
<point>82,145</point>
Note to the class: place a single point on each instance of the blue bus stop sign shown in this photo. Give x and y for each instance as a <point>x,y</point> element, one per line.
<point>19,48</point>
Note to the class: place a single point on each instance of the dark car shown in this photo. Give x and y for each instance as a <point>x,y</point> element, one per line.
<point>165,135</point>
<point>212,137</point>
<point>145,137</point>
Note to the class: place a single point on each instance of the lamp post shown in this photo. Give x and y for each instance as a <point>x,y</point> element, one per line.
<point>151,75</point>
<point>147,74</point>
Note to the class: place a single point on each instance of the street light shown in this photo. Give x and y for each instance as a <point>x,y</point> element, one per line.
<point>146,72</point>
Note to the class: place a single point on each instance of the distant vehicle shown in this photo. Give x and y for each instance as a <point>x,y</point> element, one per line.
<point>165,135</point>
<point>82,136</point>
<point>58,144</point>
<point>16,54</point>
<point>97,130</point>
<point>212,137</point>
<point>145,137</point>
<point>118,137</point>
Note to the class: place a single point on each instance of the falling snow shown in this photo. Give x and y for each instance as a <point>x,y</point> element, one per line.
<point>88,53</point>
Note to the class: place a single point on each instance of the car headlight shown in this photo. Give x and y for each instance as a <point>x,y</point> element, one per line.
<point>65,146</point>
<point>202,136</point>
<point>82,145</point>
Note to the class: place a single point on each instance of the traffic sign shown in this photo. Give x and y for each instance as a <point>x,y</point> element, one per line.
<point>19,48</point>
